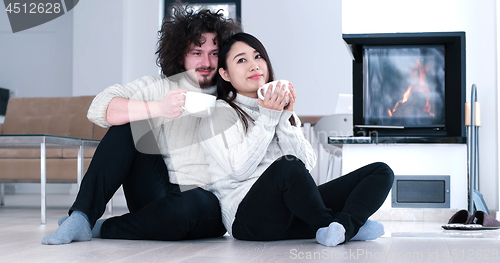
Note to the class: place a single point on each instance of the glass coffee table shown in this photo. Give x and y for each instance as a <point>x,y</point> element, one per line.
<point>43,142</point>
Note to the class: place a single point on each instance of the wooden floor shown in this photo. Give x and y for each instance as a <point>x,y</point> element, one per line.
<point>21,234</point>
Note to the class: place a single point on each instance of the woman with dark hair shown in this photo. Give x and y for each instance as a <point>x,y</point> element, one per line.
<point>260,161</point>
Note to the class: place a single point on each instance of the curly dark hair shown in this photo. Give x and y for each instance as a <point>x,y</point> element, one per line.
<point>183,26</point>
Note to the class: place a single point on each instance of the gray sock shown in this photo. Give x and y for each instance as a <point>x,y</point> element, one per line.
<point>332,235</point>
<point>96,230</point>
<point>369,231</point>
<point>61,220</point>
<point>74,228</point>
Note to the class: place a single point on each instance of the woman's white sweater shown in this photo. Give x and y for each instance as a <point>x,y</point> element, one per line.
<point>237,158</point>
<point>177,138</point>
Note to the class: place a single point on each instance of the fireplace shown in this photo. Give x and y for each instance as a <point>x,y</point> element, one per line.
<point>409,87</point>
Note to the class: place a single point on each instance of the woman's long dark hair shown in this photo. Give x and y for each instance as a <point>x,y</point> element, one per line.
<point>225,90</point>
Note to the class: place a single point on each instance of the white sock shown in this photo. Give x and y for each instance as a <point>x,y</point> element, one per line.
<point>332,235</point>
<point>369,231</point>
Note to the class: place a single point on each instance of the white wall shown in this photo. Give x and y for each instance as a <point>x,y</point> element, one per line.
<point>141,23</point>
<point>98,46</point>
<point>497,9</point>
<point>114,42</point>
<point>478,20</point>
<point>37,62</point>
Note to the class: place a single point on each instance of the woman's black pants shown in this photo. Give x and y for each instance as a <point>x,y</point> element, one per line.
<point>158,209</point>
<point>285,203</point>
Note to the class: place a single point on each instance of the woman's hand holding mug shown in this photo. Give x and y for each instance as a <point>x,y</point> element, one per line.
<point>292,96</point>
<point>274,100</point>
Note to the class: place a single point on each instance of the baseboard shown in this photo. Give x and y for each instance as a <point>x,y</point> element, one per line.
<point>417,214</point>
<point>34,188</point>
<point>52,188</point>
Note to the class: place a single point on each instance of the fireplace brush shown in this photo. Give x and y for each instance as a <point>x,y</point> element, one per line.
<point>473,121</point>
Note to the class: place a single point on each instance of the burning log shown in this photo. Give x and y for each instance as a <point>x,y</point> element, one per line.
<point>412,107</point>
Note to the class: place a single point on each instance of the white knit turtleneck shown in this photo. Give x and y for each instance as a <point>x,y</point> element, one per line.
<point>237,157</point>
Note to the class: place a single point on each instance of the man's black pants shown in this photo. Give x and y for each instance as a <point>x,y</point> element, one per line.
<point>158,209</point>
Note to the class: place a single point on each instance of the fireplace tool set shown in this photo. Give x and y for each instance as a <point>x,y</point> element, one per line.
<point>473,121</point>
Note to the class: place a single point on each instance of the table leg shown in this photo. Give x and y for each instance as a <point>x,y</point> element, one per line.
<point>2,194</point>
<point>79,173</point>
<point>43,179</point>
<point>109,206</point>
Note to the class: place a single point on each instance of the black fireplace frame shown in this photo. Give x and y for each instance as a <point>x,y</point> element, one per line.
<point>454,43</point>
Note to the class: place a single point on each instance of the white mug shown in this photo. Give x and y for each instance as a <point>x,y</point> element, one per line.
<point>262,90</point>
<point>199,104</point>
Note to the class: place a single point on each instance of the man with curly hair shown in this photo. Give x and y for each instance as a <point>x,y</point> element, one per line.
<point>153,167</point>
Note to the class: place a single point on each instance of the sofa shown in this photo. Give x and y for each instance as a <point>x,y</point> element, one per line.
<point>60,116</point>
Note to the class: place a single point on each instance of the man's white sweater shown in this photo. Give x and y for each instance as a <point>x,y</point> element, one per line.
<point>177,138</point>
<point>238,158</point>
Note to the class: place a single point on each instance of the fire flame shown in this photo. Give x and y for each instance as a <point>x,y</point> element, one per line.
<point>420,87</point>
<point>406,95</point>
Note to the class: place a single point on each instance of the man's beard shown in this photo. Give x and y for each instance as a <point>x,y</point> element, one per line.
<point>205,81</point>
